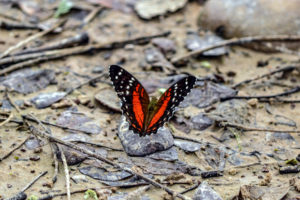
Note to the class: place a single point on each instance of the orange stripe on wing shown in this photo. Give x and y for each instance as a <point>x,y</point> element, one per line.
<point>137,106</point>
<point>162,109</point>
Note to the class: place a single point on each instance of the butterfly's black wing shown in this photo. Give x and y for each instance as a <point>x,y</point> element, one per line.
<point>133,96</point>
<point>168,102</point>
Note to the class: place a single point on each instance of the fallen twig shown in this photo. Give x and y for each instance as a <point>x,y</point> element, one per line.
<point>63,43</point>
<point>54,177</point>
<point>14,149</point>
<point>245,128</point>
<point>66,169</point>
<point>98,145</point>
<point>35,131</point>
<point>9,25</point>
<point>50,124</point>
<point>7,120</point>
<point>284,69</point>
<point>34,180</point>
<point>238,41</point>
<point>190,188</point>
<point>92,15</point>
<point>51,196</point>
<point>259,97</point>
<point>55,54</point>
<point>12,102</point>
<point>21,194</point>
<point>31,38</point>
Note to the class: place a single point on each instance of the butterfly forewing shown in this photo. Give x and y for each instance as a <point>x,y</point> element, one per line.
<point>133,95</point>
<point>168,102</point>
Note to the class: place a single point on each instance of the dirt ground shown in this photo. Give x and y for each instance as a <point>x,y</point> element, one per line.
<point>110,25</point>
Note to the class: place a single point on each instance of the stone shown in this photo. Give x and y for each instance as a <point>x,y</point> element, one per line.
<point>136,145</point>
<point>44,100</point>
<point>205,192</point>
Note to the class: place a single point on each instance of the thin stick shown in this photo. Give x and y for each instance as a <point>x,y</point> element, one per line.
<point>92,15</point>
<point>22,195</point>
<point>276,100</point>
<point>31,38</point>
<point>291,91</point>
<point>27,63</point>
<point>98,145</point>
<point>14,149</point>
<point>7,119</point>
<point>190,188</point>
<point>54,177</point>
<point>12,102</point>
<point>51,196</point>
<point>9,25</point>
<point>51,124</point>
<point>63,43</point>
<point>67,174</point>
<point>284,69</point>
<point>34,180</point>
<point>35,131</point>
<point>238,41</point>
<point>55,54</point>
<point>245,128</point>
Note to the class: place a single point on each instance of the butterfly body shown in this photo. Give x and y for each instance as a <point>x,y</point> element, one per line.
<point>144,115</point>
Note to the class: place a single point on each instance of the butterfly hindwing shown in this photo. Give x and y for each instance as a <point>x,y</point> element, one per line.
<point>133,95</point>
<point>168,102</point>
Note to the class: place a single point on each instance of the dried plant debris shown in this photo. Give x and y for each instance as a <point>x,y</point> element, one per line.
<point>153,8</point>
<point>210,93</point>
<point>28,80</point>
<point>78,121</point>
<point>195,42</point>
<point>135,145</point>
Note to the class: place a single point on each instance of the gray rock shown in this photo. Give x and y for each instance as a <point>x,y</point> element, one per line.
<point>167,155</point>
<point>209,93</point>
<point>78,121</point>
<point>242,18</point>
<point>165,45</point>
<point>33,143</point>
<point>44,100</point>
<point>103,175</point>
<point>282,136</point>
<point>205,192</point>
<point>201,122</point>
<point>27,81</point>
<point>195,42</point>
<point>98,69</point>
<point>156,58</point>
<point>187,146</point>
<point>140,146</point>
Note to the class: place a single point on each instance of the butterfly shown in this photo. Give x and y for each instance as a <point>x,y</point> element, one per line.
<point>144,115</point>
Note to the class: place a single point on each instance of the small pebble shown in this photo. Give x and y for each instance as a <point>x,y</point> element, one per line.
<point>83,99</point>
<point>252,102</point>
<point>34,158</point>
<point>232,172</point>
